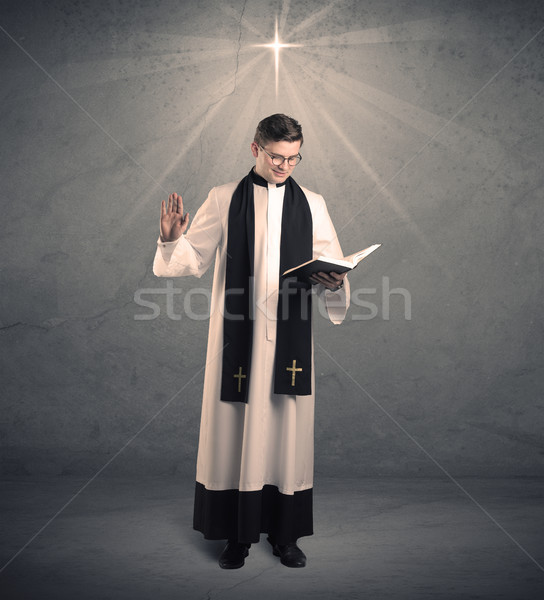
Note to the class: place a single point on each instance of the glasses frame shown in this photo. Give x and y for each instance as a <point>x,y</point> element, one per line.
<point>282,159</point>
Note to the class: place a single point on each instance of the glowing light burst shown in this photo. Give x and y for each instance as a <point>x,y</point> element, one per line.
<point>276,45</point>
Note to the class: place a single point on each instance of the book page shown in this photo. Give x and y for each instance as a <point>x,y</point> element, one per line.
<point>358,256</point>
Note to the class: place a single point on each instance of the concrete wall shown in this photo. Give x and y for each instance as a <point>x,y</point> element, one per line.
<point>423,126</point>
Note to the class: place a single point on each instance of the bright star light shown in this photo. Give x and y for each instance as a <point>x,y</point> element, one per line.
<point>276,46</point>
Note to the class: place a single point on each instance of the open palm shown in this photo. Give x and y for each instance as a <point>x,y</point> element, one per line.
<point>173,221</point>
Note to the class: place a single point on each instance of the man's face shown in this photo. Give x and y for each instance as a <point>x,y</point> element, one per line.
<point>264,166</point>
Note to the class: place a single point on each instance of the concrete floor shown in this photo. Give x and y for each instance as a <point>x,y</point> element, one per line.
<point>375,538</point>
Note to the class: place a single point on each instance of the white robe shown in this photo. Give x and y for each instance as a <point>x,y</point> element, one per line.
<point>269,440</point>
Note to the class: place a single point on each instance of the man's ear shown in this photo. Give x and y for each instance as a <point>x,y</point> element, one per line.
<point>255,149</point>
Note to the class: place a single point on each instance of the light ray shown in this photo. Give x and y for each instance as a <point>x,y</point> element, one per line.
<point>283,15</point>
<point>374,176</point>
<point>243,22</point>
<point>276,45</point>
<point>190,139</point>
<point>313,18</point>
<point>83,74</point>
<point>241,128</point>
<point>414,117</point>
<point>455,27</point>
<point>386,193</point>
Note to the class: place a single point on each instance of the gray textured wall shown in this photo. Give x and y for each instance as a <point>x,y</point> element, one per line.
<point>423,125</point>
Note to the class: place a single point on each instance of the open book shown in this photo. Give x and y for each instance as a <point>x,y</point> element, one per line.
<point>326,264</point>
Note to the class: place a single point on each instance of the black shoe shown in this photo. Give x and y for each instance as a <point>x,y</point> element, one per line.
<point>233,556</point>
<point>290,554</point>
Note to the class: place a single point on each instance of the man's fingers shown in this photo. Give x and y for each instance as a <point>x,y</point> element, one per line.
<point>330,280</point>
<point>338,276</point>
<point>178,204</point>
<point>174,211</point>
<point>171,204</point>
<point>328,277</point>
<point>333,277</point>
<point>319,278</point>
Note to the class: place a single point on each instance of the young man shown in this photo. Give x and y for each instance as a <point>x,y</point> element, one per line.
<point>255,455</point>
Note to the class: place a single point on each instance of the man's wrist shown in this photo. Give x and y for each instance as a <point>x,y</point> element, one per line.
<point>163,241</point>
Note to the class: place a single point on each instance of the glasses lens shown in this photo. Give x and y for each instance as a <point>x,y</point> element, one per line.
<point>279,160</point>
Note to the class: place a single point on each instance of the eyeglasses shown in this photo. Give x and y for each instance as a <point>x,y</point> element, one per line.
<point>278,160</point>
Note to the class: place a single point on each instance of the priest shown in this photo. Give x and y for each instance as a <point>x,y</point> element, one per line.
<point>255,459</point>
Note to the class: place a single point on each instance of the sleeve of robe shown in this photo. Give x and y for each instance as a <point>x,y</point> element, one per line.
<point>326,244</point>
<point>193,252</point>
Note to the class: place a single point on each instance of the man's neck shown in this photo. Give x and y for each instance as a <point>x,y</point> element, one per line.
<point>277,184</point>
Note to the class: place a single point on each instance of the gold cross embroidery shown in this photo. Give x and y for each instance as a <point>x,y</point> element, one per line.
<point>294,370</point>
<point>239,376</point>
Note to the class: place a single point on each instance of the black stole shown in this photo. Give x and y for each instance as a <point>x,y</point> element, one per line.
<point>293,358</point>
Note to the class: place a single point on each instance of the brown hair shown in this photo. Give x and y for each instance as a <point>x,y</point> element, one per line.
<point>278,128</point>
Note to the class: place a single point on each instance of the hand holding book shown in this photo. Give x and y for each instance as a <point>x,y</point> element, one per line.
<point>332,269</point>
<point>332,281</point>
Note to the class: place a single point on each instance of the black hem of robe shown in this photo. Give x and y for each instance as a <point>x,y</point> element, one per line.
<point>243,516</point>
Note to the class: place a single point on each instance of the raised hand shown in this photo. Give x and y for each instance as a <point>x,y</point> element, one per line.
<point>173,221</point>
